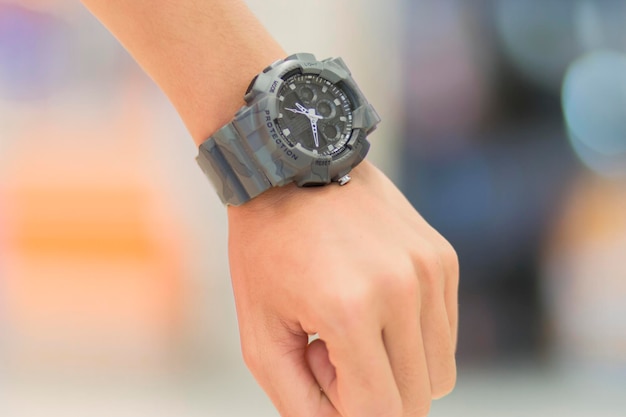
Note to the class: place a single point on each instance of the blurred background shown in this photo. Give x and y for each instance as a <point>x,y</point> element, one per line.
<point>504,123</point>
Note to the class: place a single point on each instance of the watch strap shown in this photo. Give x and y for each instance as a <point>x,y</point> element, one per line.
<point>232,167</point>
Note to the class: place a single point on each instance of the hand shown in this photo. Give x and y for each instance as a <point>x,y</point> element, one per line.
<point>360,267</point>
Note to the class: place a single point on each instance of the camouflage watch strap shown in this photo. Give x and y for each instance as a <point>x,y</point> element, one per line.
<point>232,167</point>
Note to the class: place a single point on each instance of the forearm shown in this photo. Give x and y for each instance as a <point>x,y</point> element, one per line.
<point>202,54</point>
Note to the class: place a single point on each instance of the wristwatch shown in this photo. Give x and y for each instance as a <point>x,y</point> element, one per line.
<point>305,121</point>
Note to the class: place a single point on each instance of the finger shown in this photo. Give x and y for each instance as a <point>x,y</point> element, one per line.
<point>405,347</point>
<point>363,384</point>
<point>450,263</point>
<point>439,345</point>
<point>451,290</point>
<point>322,369</point>
<point>283,372</point>
<point>319,363</point>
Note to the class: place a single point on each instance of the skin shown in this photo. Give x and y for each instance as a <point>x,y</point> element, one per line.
<point>355,264</point>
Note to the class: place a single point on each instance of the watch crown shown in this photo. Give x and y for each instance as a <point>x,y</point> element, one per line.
<point>344,180</point>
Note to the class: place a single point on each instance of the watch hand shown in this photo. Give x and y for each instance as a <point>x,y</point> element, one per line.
<point>310,113</point>
<point>315,134</point>
<point>297,111</point>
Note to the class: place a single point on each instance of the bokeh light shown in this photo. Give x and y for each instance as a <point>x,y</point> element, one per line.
<point>594,105</point>
<point>538,38</point>
<point>32,53</point>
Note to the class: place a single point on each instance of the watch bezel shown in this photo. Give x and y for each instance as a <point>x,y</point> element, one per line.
<point>293,162</point>
<point>345,95</point>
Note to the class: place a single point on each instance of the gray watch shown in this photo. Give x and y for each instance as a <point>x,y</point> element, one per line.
<point>305,121</point>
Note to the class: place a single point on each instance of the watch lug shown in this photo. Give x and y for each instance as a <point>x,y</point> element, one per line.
<point>319,173</point>
<point>249,89</point>
<point>302,56</point>
<point>272,65</point>
<point>340,63</point>
<point>344,180</point>
<point>366,118</point>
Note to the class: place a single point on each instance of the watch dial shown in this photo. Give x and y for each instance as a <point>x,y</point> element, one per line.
<point>315,113</point>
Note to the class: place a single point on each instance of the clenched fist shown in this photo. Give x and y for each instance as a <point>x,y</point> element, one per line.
<point>360,267</point>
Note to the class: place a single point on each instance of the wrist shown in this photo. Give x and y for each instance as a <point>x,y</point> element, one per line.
<point>281,199</point>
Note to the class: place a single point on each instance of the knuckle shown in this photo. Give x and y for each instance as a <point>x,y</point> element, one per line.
<point>447,248</point>
<point>251,357</point>
<point>392,409</point>
<point>429,266</point>
<point>444,387</point>
<point>443,391</point>
<point>449,255</point>
<point>402,285</point>
<point>419,410</point>
<point>348,308</point>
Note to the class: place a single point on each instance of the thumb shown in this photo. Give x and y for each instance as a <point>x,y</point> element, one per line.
<point>323,370</point>
<point>283,372</point>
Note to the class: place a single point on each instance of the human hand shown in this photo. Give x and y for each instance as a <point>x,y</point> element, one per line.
<point>361,268</point>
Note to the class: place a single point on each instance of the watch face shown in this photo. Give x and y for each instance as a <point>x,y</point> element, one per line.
<point>315,113</point>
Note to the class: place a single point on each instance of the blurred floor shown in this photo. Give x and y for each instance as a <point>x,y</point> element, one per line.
<point>514,391</point>
<point>519,390</point>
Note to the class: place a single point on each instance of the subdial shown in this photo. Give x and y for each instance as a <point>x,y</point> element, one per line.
<point>331,132</point>
<point>307,94</point>
<point>326,109</point>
